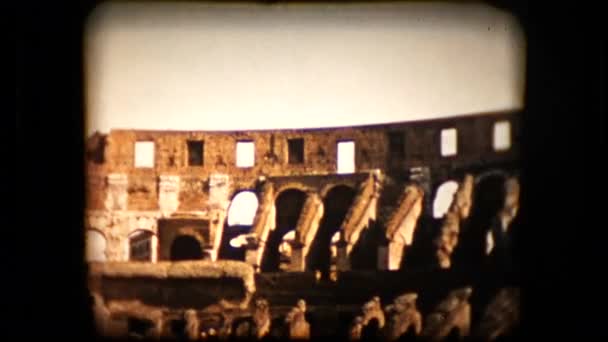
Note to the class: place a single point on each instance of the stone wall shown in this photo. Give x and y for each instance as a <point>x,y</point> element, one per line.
<point>117,226</point>
<point>421,144</point>
<point>119,194</point>
<point>165,291</point>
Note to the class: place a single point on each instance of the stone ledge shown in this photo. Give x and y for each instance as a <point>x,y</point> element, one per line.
<point>182,269</point>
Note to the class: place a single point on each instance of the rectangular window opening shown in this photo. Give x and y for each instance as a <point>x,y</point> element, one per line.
<point>346,157</point>
<point>245,153</point>
<point>502,136</point>
<point>144,154</point>
<point>295,151</point>
<point>195,153</point>
<point>449,142</point>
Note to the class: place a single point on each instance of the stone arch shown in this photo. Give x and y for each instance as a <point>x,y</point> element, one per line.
<point>488,200</point>
<point>489,193</point>
<point>141,245</point>
<point>96,245</point>
<point>444,195</point>
<point>336,204</point>
<point>191,231</point>
<point>491,173</point>
<point>325,189</point>
<point>289,203</point>
<point>242,208</point>
<point>291,186</point>
<point>239,221</point>
<point>187,245</point>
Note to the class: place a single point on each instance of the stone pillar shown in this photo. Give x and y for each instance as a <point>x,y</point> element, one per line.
<point>298,261</point>
<point>422,176</point>
<point>219,190</point>
<point>216,227</point>
<point>395,253</point>
<point>154,249</point>
<point>342,263</point>
<point>168,194</point>
<point>251,252</point>
<point>383,256</point>
<point>117,196</point>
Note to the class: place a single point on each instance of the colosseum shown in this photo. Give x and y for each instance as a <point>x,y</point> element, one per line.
<point>390,230</point>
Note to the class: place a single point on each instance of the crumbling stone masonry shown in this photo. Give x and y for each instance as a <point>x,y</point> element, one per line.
<point>192,177</point>
<point>452,315</point>
<point>450,229</point>
<point>159,233</point>
<point>222,298</point>
<point>403,316</point>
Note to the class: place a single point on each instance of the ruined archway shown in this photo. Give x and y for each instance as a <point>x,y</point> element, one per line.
<point>336,204</point>
<point>186,247</point>
<point>488,200</point>
<point>488,197</point>
<point>288,206</point>
<point>444,197</point>
<point>95,246</point>
<point>242,209</point>
<point>241,214</point>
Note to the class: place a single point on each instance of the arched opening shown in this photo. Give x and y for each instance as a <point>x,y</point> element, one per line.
<point>488,200</point>
<point>241,214</point>
<point>242,209</point>
<point>95,246</point>
<point>444,198</point>
<point>336,204</point>
<point>285,245</point>
<point>186,247</point>
<point>488,196</point>
<point>141,245</point>
<point>288,206</point>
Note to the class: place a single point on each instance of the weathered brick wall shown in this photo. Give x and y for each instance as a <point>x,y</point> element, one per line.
<point>194,193</point>
<point>220,151</point>
<point>421,140</point>
<point>95,187</point>
<point>142,190</point>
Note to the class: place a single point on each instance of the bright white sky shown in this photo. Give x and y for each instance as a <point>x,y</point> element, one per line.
<point>217,67</point>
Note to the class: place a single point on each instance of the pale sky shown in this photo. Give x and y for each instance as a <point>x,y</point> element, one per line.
<point>190,66</point>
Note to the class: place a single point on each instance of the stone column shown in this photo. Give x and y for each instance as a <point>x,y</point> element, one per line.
<point>154,249</point>
<point>251,252</point>
<point>395,254</point>
<point>168,194</point>
<point>422,176</point>
<point>216,226</point>
<point>383,255</point>
<point>342,262</point>
<point>298,260</point>
<point>219,190</point>
<point>117,196</point>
